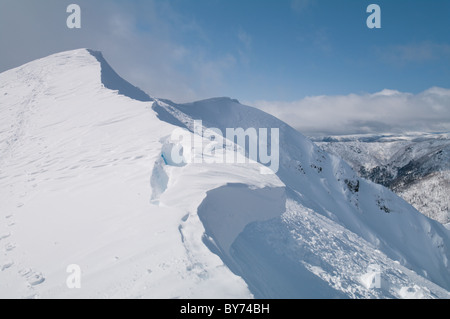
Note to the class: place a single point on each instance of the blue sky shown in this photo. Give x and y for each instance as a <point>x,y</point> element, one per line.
<point>252,50</point>
<point>300,48</point>
<point>290,49</point>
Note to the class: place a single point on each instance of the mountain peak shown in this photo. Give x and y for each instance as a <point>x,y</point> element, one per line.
<point>76,68</point>
<point>113,81</point>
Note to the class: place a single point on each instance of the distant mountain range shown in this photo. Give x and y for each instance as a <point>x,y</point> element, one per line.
<point>416,166</point>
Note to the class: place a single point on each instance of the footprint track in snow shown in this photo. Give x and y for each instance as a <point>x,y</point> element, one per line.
<point>4,236</point>
<point>10,220</point>
<point>6,265</point>
<point>32,277</point>
<point>10,247</point>
<point>36,279</point>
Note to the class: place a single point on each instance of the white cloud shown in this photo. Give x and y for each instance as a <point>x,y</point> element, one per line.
<point>245,48</point>
<point>300,6</point>
<point>245,39</point>
<point>401,54</point>
<point>382,112</point>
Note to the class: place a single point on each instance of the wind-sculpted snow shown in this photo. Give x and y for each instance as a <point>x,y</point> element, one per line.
<point>328,186</point>
<point>227,210</point>
<point>86,179</point>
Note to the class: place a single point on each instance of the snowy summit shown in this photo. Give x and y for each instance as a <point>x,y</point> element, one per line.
<point>86,179</point>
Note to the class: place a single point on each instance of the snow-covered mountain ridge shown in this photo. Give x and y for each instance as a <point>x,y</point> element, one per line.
<point>82,181</point>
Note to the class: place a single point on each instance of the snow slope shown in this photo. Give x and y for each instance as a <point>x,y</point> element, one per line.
<point>326,185</point>
<point>82,181</point>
